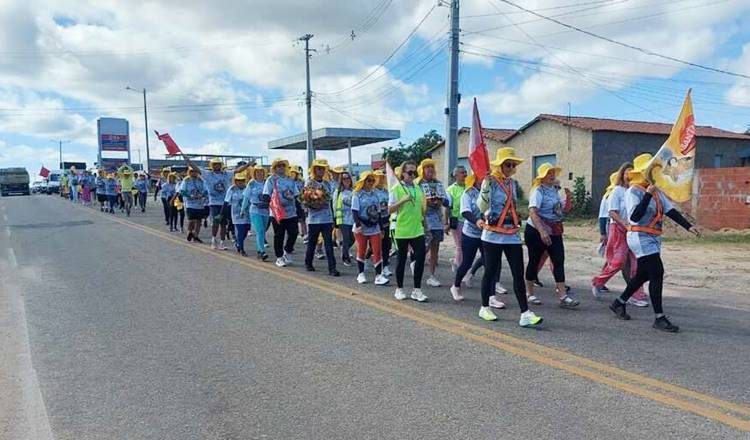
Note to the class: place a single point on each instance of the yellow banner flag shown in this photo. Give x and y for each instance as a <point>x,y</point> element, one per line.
<point>673,166</point>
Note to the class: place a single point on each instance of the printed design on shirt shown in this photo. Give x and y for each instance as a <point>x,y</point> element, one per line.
<point>372,212</point>
<point>219,187</point>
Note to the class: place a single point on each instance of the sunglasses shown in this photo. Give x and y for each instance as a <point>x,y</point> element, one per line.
<point>510,164</point>
<point>410,173</point>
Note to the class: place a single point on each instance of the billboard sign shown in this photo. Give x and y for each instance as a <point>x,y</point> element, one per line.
<point>113,134</point>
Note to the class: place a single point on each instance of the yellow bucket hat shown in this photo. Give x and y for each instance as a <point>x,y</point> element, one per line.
<point>362,177</point>
<point>542,171</point>
<point>470,180</point>
<point>240,176</point>
<point>612,184</point>
<point>319,163</point>
<point>260,168</point>
<point>338,170</point>
<point>422,165</point>
<point>215,160</point>
<point>279,161</point>
<point>505,154</point>
<point>172,176</point>
<point>640,164</point>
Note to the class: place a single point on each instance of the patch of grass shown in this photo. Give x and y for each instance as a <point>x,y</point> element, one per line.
<point>712,238</point>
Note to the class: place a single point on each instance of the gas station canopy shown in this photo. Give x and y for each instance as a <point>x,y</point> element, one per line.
<point>332,139</point>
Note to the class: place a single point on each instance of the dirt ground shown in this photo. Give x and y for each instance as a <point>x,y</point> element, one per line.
<point>715,268</point>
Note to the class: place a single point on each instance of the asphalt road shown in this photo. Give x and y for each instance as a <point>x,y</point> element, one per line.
<point>113,328</point>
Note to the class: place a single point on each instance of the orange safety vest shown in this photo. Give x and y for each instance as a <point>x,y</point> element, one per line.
<point>510,208</point>
<point>652,228</point>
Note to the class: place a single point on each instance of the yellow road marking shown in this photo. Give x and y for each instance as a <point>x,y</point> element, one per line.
<point>729,413</point>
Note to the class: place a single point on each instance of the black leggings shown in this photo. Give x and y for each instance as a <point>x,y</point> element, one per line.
<point>165,205</point>
<point>288,226</point>
<point>469,248</point>
<point>537,248</point>
<point>651,269</point>
<point>385,244</point>
<point>514,254</point>
<point>418,248</point>
<point>347,242</point>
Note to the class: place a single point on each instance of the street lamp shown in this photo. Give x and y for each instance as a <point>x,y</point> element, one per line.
<point>145,119</point>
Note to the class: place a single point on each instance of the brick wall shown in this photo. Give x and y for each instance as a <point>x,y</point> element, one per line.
<point>721,198</point>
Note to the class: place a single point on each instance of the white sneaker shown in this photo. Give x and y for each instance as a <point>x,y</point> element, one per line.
<point>500,289</point>
<point>361,278</point>
<point>432,281</point>
<point>637,302</point>
<point>411,266</point>
<point>381,280</point>
<point>597,292</point>
<point>222,246</point>
<point>418,296</point>
<point>213,243</point>
<point>529,319</point>
<point>281,262</point>
<point>496,303</point>
<point>456,293</point>
<point>487,314</point>
<point>399,294</point>
<point>467,280</point>
<point>387,271</point>
<point>287,258</point>
<point>534,300</point>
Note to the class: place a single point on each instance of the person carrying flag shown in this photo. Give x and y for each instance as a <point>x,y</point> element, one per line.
<point>280,192</point>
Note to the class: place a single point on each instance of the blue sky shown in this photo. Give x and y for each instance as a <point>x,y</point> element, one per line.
<point>227,78</point>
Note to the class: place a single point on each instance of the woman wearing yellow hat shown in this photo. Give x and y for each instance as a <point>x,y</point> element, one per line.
<point>500,226</point>
<point>168,190</point>
<point>407,201</point>
<point>284,223</point>
<point>110,189</point>
<point>544,234</point>
<point>366,214</point>
<point>163,177</point>
<point>616,251</point>
<point>436,218</point>
<point>126,187</point>
<point>101,192</point>
<point>195,193</point>
<point>253,204</point>
<point>316,197</point>
<point>240,218</point>
<point>646,207</point>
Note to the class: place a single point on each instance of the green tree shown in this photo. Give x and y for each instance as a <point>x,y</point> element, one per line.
<point>417,151</point>
<point>581,198</point>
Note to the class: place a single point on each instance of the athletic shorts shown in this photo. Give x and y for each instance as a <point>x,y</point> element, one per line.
<point>206,212</point>
<point>217,214</point>
<point>102,198</point>
<point>437,235</point>
<point>194,213</point>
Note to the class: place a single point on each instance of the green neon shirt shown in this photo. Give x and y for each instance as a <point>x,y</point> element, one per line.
<point>455,191</point>
<point>410,218</point>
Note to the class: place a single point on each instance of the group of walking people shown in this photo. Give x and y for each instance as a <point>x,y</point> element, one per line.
<point>415,215</point>
<point>121,189</point>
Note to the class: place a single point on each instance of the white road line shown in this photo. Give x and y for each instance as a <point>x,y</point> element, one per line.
<point>7,232</point>
<point>12,258</point>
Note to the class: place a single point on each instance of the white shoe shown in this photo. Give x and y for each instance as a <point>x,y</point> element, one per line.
<point>399,294</point>
<point>214,245</point>
<point>534,300</point>
<point>361,278</point>
<point>432,281</point>
<point>456,293</point>
<point>496,303</point>
<point>411,266</point>
<point>418,296</point>
<point>637,302</point>
<point>281,262</point>
<point>597,292</point>
<point>287,258</point>
<point>487,314</point>
<point>387,271</point>
<point>222,246</point>
<point>500,289</point>
<point>467,280</point>
<point>529,319</point>
<point>381,280</point>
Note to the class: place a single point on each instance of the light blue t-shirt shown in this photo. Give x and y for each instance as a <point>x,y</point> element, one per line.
<point>319,216</point>
<point>288,193</point>
<point>643,243</point>
<point>468,203</point>
<point>110,187</point>
<point>101,185</point>
<point>346,206</point>
<point>547,201</point>
<point>367,204</point>
<point>234,197</point>
<point>434,214</point>
<point>251,201</point>
<point>497,201</point>
<point>217,185</point>
<point>194,193</point>
<point>142,185</point>
<point>168,190</point>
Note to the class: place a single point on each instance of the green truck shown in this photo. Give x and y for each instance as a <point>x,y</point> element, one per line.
<point>14,181</point>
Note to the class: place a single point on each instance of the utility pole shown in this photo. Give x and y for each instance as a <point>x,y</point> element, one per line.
<point>59,143</point>
<point>453,98</point>
<point>308,100</point>
<point>145,120</point>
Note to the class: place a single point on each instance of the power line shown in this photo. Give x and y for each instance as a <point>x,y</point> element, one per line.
<point>551,8</point>
<point>367,24</point>
<point>629,46</point>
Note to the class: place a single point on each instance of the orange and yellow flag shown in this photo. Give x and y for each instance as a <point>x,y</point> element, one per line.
<point>673,166</point>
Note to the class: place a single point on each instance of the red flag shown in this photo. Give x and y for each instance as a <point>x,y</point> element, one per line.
<point>479,159</point>
<point>277,210</point>
<point>171,145</point>
<point>44,172</point>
